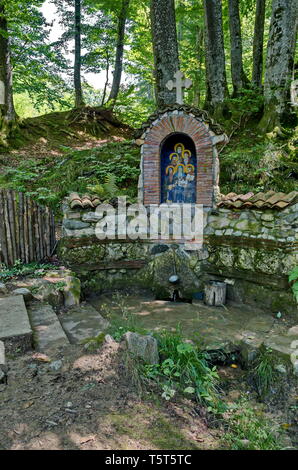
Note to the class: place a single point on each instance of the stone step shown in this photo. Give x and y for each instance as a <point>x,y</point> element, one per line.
<point>48,332</point>
<point>285,348</point>
<point>82,322</point>
<point>15,329</point>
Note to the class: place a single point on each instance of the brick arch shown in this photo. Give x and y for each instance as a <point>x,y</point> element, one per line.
<point>156,135</point>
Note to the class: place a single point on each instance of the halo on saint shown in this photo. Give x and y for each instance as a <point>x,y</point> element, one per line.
<point>190,167</point>
<point>168,169</point>
<point>173,155</point>
<point>179,145</point>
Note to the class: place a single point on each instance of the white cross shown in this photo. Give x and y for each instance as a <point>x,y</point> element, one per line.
<point>179,84</point>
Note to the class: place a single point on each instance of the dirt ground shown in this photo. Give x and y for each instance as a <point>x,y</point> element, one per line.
<point>82,400</point>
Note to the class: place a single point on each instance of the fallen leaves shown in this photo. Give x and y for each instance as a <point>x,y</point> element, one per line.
<point>87,439</point>
<point>41,357</point>
<point>28,404</point>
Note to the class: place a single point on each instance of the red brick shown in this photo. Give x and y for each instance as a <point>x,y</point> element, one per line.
<point>151,156</point>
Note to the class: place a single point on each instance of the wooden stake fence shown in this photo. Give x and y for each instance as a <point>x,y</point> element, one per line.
<point>27,230</point>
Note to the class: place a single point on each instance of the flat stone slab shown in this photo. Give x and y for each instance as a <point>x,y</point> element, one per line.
<point>48,332</point>
<point>3,367</point>
<point>282,345</point>
<point>82,322</point>
<point>15,329</point>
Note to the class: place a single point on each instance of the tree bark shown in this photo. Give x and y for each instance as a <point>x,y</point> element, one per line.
<point>258,42</point>
<point>215,58</point>
<point>165,49</point>
<point>279,63</point>
<point>8,115</point>
<point>197,86</point>
<point>119,52</point>
<point>79,101</point>
<point>5,68</point>
<point>239,78</point>
<point>107,78</point>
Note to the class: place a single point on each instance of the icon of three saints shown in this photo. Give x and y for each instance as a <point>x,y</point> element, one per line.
<point>180,176</point>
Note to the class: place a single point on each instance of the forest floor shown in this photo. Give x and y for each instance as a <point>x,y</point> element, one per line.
<point>80,400</point>
<point>48,135</point>
<point>76,397</point>
<point>90,403</point>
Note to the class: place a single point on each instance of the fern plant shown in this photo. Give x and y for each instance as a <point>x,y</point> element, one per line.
<point>108,189</point>
<point>293,279</point>
<point>263,372</point>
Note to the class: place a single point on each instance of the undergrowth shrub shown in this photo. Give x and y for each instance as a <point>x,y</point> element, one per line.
<point>20,269</point>
<point>263,373</point>
<point>293,279</point>
<point>184,369</point>
<point>49,180</point>
<point>248,430</point>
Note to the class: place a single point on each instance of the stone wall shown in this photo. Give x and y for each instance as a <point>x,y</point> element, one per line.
<point>253,250</point>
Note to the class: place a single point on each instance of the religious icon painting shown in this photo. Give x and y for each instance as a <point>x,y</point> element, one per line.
<point>178,170</point>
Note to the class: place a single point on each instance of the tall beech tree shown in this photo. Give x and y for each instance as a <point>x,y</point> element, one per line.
<point>258,42</point>
<point>190,16</point>
<point>119,52</point>
<point>165,49</point>
<point>239,78</point>
<point>8,114</point>
<point>215,58</point>
<point>79,101</point>
<point>279,63</point>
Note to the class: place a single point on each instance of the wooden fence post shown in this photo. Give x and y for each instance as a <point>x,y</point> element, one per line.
<point>27,230</point>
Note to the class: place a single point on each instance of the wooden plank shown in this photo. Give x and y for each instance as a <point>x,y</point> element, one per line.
<point>47,231</point>
<point>53,236</point>
<point>16,220</point>
<point>21,226</point>
<point>29,222</point>
<point>8,231</point>
<point>41,233</point>
<point>11,221</point>
<point>26,234</point>
<point>3,235</point>
<point>36,232</point>
<point>44,238</point>
<point>32,228</point>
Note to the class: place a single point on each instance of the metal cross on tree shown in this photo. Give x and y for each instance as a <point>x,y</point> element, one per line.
<point>180,83</point>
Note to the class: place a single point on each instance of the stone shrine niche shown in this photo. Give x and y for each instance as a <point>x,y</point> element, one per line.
<point>178,168</point>
<point>179,161</point>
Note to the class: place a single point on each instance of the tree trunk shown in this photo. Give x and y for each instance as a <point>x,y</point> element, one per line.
<point>119,52</point>
<point>165,49</point>
<point>215,58</point>
<point>79,101</point>
<point>107,78</point>
<point>7,111</point>
<point>197,86</point>
<point>279,63</point>
<point>239,78</point>
<point>257,70</point>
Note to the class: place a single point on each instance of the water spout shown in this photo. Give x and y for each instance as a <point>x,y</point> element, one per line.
<point>175,296</point>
